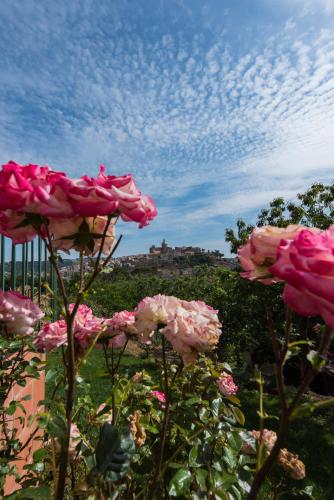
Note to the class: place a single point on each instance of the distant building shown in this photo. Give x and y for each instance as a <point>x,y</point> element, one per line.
<point>169,261</point>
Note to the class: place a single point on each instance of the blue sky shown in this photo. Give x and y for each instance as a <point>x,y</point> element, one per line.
<point>215,107</point>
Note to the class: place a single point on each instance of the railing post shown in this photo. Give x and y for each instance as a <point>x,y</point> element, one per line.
<point>3,277</point>
<point>39,269</point>
<point>13,268</point>
<point>32,269</point>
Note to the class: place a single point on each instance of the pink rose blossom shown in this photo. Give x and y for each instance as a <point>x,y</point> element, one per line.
<point>33,189</point>
<point>86,327</point>
<point>12,225</point>
<point>117,327</point>
<point>18,314</point>
<point>52,335</point>
<point>161,396</point>
<point>71,234</point>
<point>154,311</point>
<point>107,195</point>
<point>193,328</point>
<point>260,251</point>
<point>226,385</point>
<point>190,327</point>
<point>307,266</point>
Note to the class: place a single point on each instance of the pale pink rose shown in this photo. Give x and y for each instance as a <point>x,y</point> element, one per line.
<point>108,195</point>
<point>120,322</point>
<point>33,189</point>
<point>78,233</point>
<point>152,312</point>
<point>86,326</point>
<point>307,266</point>
<point>226,385</point>
<point>118,327</point>
<point>194,327</point>
<point>12,225</point>
<point>260,251</point>
<point>52,335</point>
<point>161,396</point>
<point>18,314</point>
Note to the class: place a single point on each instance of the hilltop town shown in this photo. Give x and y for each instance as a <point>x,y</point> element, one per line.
<point>165,260</point>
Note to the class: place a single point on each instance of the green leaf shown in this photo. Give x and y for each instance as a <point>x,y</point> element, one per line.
<point>234,399</point>
<point>51,375</point>
<point>201,475</point>
<point>42,492</point>
<point>180,482</point>
<point>215,405</point>
<point>39,454</point>
<point>11,408</point>
<point>230,457</point>
<point>193,454</point>
<point>113,452</point>
<point>239,416</point>
<point>57,426</point>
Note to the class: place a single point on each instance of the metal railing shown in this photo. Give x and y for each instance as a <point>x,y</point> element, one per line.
<point>26,268</point>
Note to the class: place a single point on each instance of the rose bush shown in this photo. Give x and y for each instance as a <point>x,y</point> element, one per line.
<point>177,432</point>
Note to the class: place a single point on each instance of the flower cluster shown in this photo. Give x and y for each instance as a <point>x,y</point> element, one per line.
<point>18,315</point>
<point>86,327</point>
<point>75,212</point>
<point>226,385</point>
<point>303,258</point>
<point>190,327</point>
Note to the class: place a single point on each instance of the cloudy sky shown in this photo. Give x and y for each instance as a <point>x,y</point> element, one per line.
<point>215,106</point>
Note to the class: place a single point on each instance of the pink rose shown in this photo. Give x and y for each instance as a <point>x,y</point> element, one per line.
<point>161,396</point>
<point>12,225</point>
<point>260,251</point>
<point>52,335</point>
<point>33,189</point>
<point>154,311</point>
<point>190,327</point>
<point>117,327</point>
<point>108,195</point>
<point>193,328</point>
<point>78,233</point>
<point>226,385</point>
<point>307,266</point>
<point>18,314</point>
<point>86,327</point>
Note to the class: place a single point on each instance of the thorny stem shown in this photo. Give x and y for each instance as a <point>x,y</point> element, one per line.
<point>165,424</point>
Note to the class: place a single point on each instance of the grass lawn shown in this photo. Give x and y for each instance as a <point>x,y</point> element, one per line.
<point>312,438</point>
